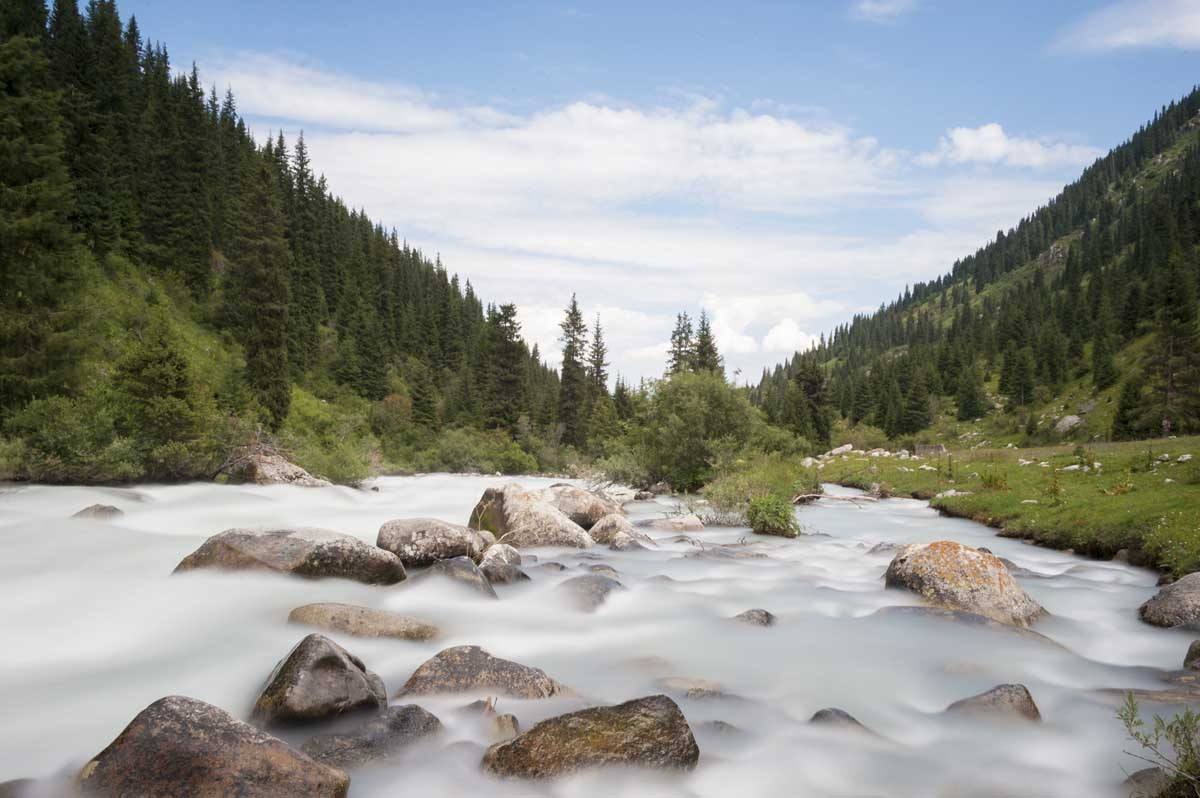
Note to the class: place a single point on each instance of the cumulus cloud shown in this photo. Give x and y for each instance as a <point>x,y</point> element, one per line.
<point>787,337</point>
<point>1132,24</point>
<point>881,11</point>
<point>991,145</point>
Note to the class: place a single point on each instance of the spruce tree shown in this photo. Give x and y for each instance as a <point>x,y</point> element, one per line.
<point>507,392</point>
<point>572,391</point>
<point>1125,419</point>
<point>597,365</point>
<point>681,354</point>
<point>1172,405</point>
<point>917,414</point>
<point>1104,369</point>
<point>971,398</point>
<point>704,351</point>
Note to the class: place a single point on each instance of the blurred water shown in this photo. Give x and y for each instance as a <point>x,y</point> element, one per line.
<point>96,627</point>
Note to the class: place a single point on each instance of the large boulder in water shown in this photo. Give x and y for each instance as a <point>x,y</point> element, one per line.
<point>463,571</point>
<point>1012,700</point>
<point>589,591</point>
<point>952,575</point>
<point>501,573</point>
<point>269,468</point>
<point>308,552</point>
<point>466,668</point>
<point>608,528</point>
<point>678,523</point>
<point>183,747</point>
<point>379,738</point>
<point>501,553</point>
<point>318,680</point>
<point>362,621</point>
<point>647,732</point>
<point>524,519</point>
<point>423,541</point>
<point>1176,604</point>
<point>581,506</point>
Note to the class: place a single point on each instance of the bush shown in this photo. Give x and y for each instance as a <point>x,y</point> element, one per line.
<point>330,439</point>
<point>730,494</point>
<point>1172,745</point>
<point>771,515</point>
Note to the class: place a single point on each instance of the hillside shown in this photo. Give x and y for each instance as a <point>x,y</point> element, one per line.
<point>1079,323</point>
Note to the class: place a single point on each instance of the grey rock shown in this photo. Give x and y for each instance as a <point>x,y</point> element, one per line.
<point>318,680</point>
<point>419,542</point>
<point>581,506</point>
<point>1148,783</point>
<point>678,523</point>
<point>589,591</point>
<point>381,737</point>
<point>756,617</point>
<point>100,512</point>
<point>463,571</point>
<point>524,519</point>
<point>1012,700</point>
<point>610,526</point>
<point>1191,660</point>
<point>500,573</point>
<point>1176,604</point>
<point>465,668</point>
<point>362,621</point>
<point>836,718</point>
<point>501,553</point>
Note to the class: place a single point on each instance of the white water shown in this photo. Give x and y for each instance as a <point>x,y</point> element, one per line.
<point>95,628</point>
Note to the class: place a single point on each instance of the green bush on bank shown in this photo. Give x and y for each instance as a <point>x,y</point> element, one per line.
<point>771,515</point>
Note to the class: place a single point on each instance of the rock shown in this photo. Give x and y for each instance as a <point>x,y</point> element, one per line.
<point>307,552</point>
<point>524,519</point>
<point>836,718</point>
<point>501,553</point>
<point>1067,423</point>
<point>607,528</point>
<point>1191,660</point>
<point>18,788</point>
<point>501,573</point>
<point>965,618</point>
<point>379,738</point>
<point>678,523</point>
<point>845,448</point>
<point>719,727</point>
<point>643,496</point>
<point>263,468</point>
<point>183,747</point>
<point>589,591</point>
<point>1176,604</point>
<point>808,462</point>
<point>463,571</point>
<point>952,575</point>
<point>1004,699</point>
<point>464,668</point>
<point>1184,458</point>
<point>623,542</point>
<point>318,680</point>
<point>660,489</point>
<point>883,548</point>
<point>100,512</point>
<point>581,506</point>
<point>1147,783</point>
<point>690,687</point>
<point>646,732</point>
<point>504,727</point>
<point>951,493</point>
<point>757,617</point>
<point>419,542</point>
<point>362,621</point>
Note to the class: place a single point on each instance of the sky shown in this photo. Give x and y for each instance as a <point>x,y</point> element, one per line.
<point>780,165</point>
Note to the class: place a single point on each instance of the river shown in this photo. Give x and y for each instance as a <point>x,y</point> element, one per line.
<point>96,627</point>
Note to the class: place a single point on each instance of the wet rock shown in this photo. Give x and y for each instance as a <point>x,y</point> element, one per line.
<point>463,571</point>
<point>607,528</point>
<point>678,523</point>
<point>500,573</point>
<point>646,732</point>
<point>589,591</point>
<point>524,519</point>
<point>719,727</point>
<point>1176,604</point>
<point>1147,783</point>
<point>581,506</point>
<point>623,542</point>
<point>1005,699</point>
<point>464,668</point>
<point>605,569</point>
<point>419,542</point>
<point>100,512</point>
<point>183,747</point>
<point>690,687</point>
<point>966,618</point>
<point>501,553</point>
<point>643,496</point>
<point>1191,660</point>
<point>504,727</point>
<point>836,718</point>
<point>307,552</point>
<point>265,468</point>
<point>18,788</point>
<point>552,566</point>
<point>952,575</point>
<point>318,680</point>
<point>757,617</point>
<point>382,736</point>
<point>883,548</point>
<point>362,621</point>
<point>729,551</point>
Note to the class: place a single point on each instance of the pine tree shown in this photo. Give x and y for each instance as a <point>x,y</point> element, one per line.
<point>1104,369</point>
<point>971,397</point>
<point>704,351</point>
<point>1172,405</point>
<point>681,354</point>
<point>861,402</point>
<point>1125,420</point>
<point>597,365</point>
<point>507,393</point>
<point>572,391</point>
<point>917,414</point>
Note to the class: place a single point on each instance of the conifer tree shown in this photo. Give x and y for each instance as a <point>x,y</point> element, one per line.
<point>917,414</point>
<point>597,365</point>
<point>1104,369</point>
<point>508,385</point>
<point>572,391</point>
<point>1125,419</point>
<point>704,351</point>
<point>1172,405</point>
<point>681,354</point>
<point>970,398</point>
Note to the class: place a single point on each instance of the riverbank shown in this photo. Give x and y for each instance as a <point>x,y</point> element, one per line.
<point>1140,498</point>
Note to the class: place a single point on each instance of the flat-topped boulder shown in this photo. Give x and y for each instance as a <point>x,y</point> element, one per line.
<point>582,506</point>
<point>1176,604</point>
<point>183,747</point>
<point>949,574</point>
<point>419,542</point>
<point>306,551</point>
<point>501,553</point>
<point>468,668</point>
<point>678,523</point>
<point>318,680</point>
<point>648,732</point>
<point>383,736</point>
<point>524,519</point>
<point>362,621</point>
<point>1011,700</point>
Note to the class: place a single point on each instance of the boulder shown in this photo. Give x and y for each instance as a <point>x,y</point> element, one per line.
<point>524,519</point>
<point>691,687</point>
<point>419,542</point>
<point>318,680</point>
<point>379,738</point>
<point>464,668</point>
<point>19,788</point>
<point>678,523</point>
<point>1150,782</point>
<point>362,621</point>
<point>643,496</point>
<point>589,591</point>
<point>183,747</point>
<point>100,512</point>
<point>607,528</point>
<point>1005,699</point>
<point>504,726</point>
<point>501,573</point>
<point>952,575</point>
<point>264,468</point>
<point>845,448</point>
<point>463,571</point>
<point>836,718</point>
<point>646,732</point>
<point>756,617</point>
<point>501,552</point>
<point>1176,604</point>
<point>581,506</point>
<point>624,542</point>
<point>307,552</point>
<point>1067,423</point>
<point>1191,660</point>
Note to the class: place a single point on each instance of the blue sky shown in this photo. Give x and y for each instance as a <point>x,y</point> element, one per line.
<point>781,164</point>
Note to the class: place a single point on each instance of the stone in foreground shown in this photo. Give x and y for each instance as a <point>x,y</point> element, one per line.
<point>466,668</point>
<point>756,617</point>
<point>463,571</point>
<point>952,575</point>
<point>581,506</point>
<point>362,621</point>
<point>382,736</point>
<point>100,512</point>
<point>1013,700</point>
<point>318,680</point>
<point>836,718</point>
<point>264,468</point>
<point>647,732</point>
<point>1191,660</point>
<point>524,519</point>
<point>308,552</point>
<point>501,573</point>
<point>501,553</point>
<point>1176,604</point>
<point>607,528</point>
<point>419,542</point>
<point>589,591</point>
<point>183,747</point>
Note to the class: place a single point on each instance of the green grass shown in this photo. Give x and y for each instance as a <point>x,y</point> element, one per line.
<point>1128,504</point>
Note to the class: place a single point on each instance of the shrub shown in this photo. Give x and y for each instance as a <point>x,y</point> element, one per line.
<point>1172,745</point>
<point>771,515</point>
<point>756,475</point>
<point>330,439</point>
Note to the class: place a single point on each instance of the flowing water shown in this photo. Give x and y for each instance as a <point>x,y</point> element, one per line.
<point>96,627</point>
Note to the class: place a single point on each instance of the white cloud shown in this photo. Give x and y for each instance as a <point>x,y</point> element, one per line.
<point>991,145</point>
<point>881,11</point>
<point>787,337</point>
<point>1132,24</point>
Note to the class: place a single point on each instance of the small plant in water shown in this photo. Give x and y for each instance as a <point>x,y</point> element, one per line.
<point>771,515</point>
<point>1172,745</point>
